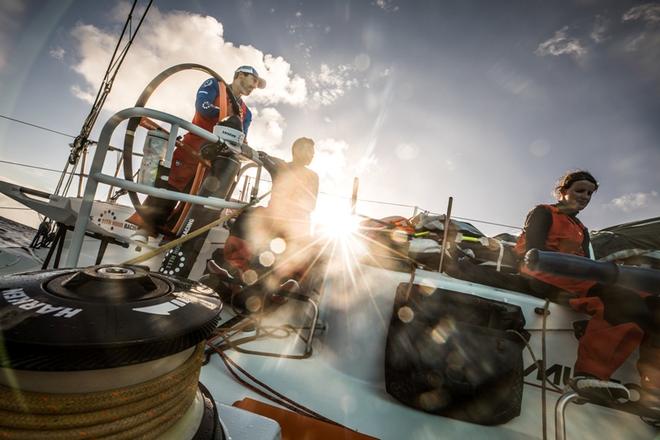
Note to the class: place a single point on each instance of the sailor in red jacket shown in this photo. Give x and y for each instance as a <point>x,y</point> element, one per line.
<point>212,105</point>
<point>621,320</point>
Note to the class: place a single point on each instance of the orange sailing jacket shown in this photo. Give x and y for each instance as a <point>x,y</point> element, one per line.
<point>566,235</point>
<point>184,164</point>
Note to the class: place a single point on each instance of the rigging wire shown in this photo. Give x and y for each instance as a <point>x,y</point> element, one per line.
<point>474,220</point>
<point>384,203</point>
<point>108,79</point>
<point>81,141</point>
<point>41,127</point>
<point>39,168</point>
<point>486,222</point>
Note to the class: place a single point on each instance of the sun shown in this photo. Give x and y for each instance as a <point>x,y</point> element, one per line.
<point>335,221</point>
<point>339,226</point>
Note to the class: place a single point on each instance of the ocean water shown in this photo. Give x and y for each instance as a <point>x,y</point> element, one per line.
<point>14,234</point>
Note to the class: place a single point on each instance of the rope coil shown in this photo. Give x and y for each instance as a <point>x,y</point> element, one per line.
<point>144,410</point>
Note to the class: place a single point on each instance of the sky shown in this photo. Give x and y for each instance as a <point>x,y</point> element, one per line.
<point>487,102</point>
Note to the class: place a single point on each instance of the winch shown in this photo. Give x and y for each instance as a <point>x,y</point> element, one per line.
<point>105,351</point>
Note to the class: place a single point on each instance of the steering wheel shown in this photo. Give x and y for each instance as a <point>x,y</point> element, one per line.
<point>133,123</point>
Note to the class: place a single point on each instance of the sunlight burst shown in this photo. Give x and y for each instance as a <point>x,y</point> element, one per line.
<point>334,221</point>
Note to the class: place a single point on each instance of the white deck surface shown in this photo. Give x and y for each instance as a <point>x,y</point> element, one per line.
<point>343,380</point>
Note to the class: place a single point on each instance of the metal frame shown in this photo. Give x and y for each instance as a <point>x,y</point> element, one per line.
<point>560,417</point>
<point>314,319</point>
<point>97,176</point>
<point>313,327</point>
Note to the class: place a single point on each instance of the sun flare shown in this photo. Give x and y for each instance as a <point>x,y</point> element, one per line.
<point>335,221</point>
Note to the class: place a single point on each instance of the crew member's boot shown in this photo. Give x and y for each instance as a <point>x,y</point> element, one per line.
<point>599,391</point>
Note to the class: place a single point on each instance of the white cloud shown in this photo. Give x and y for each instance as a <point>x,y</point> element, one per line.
<point>10,13</point>
<point>169,38</point>
<point>643,41</point>
<point>633,201</point>
<point>267,129</point>
<point>304,48</point>
<point>330,83</point>
<point>57,53</point>
<point>634,44</point>
<point>386,5</point>
<point>284,87</point>
<point>649,13</point>
<point>562,44</point>
<point>598,32</point>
